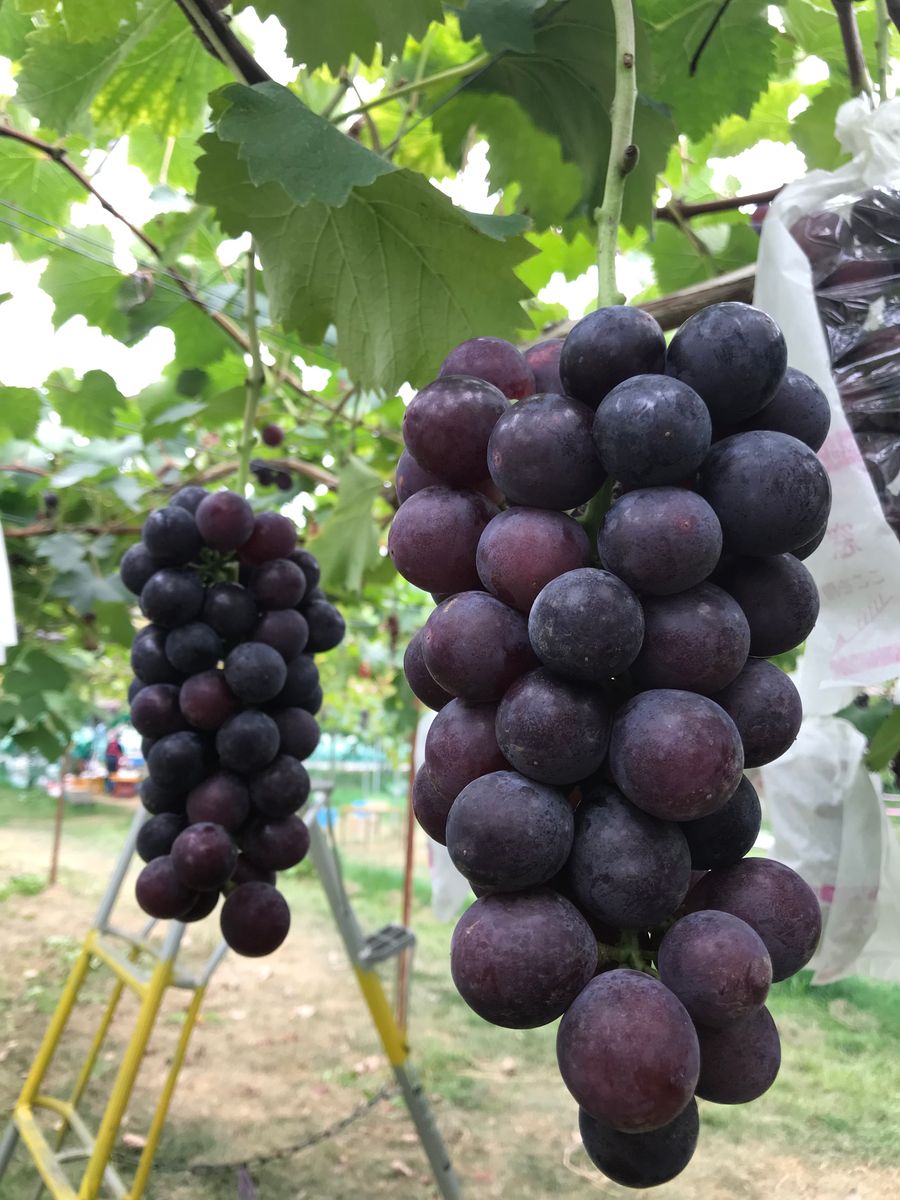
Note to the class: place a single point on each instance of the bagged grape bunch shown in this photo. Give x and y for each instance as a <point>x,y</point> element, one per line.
<point>225,696</point>
<point>598,697</point>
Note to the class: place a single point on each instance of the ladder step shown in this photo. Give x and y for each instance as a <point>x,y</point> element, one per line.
<point>42,1155</point>
<point>385,943</point>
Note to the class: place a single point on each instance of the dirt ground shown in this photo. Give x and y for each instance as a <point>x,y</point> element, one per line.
<point>285,1048</point>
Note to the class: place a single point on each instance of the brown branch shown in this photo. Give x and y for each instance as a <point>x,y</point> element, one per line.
<point>219,41</point>
<point>853,49</point>
<point>24,469</point>
<point>42,528</point>
<point>723,204</point>
<point>310,470</point>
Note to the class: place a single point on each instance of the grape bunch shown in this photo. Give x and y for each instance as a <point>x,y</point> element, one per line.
<point>225,695</point>
<point>598,698</point>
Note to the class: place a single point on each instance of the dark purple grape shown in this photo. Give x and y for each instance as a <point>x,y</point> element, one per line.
<point>246,872</point>
<point>543,358</point>
<point>430,806</point>
<point>650,430</point>
<point>160,892</point>
<point>725,836</point>
<point>148,657</point>
<point>225,520</point>
<point>247,742</point>
<point>769,491</point>
<point>255,672</point>
<point>284,481</point>
<point>461,745</point>
<point>272,434</point>
<point>313,703</point>
<point>628,1053</point>
<point>765,706</point>
<point>172,533</point>
<point>541,453</point>
<point>278,583</point>
<point>803,552</point>
<point>447,427</point>
<point>155,711</point>
<point>506,832</point>
<point>158,798</point>
<point>265,476</point>
<point>519,961</point>
<point>273,536</point>
<point>193,648</point>
<point>608,346</point>
<point>717,966</point>
<point>774,901</point>
<point>586,624</point>
<point>475,646</point>
<point>172,597</point>
<point>675,754</point>
<point>136,685</point>
<point>493,360</point>
<point>285,630</point>
<point>734,355</point>
<point>660,540</point>
<point>156,836</point>
<point>276,845</point>
<point>522,549</point>
<point>280,788</point>
<point>641,1160</point>
<point>326,627</point>
<point>419,678</point>
<point>300,683</point>
<point>201,908</point>
<point>147,745</point>
<point>255,919</point>
<point>778,596</point>
<point>740,1062</point>
<point>697,641</point>
<point>204,856</point>
<point>410,477</point>
<point>308,564</point>
<point>223,799</point>
<point>553,730</point>
<point>434,537</point>
<point>137,566</point>
<point>299,732</point>
<point>230,610</point>
<point>799,408</point>
<point>207,701</point>
<point>178,761</point>
<point>189,497</point>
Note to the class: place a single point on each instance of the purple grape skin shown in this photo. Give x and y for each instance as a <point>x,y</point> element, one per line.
<point>136,685</point>
<point>275,845</point>
<point>193,648</point>
<point>204,856</point>
<point>434,537</point>
<point>697,640</point>
<point>273,536</point>
<point>246,872</point>
<point>519,961</point>
<point>766,708</point>
<point>178,761</point>
<point>207,701</point>
<point>255,919</point>
<point>431,808</point>
<point>660,540</point>
<point>675,754</point>
<point>299,731</point>
<point>230,610</point>
<point>541,453</point>
<point>628,1052</point>
<point>190,497</point>
<point>285,630</point>
<point>586,624</point>
<point>326,627</point>
<point>651,430</point>
<point>608,346</point>
<point>739,1062</point>
<point>148,657</point>
<point>717,966</point>
<point>421,682</point>
<point>725,836</point>
<point>799,408</point>
<point>506,833</point>
<point>300,683</point>
<point>553,730</point>
<point>160,892</point>
<point>172,597</point>
<point>769,491</point>
<point>308,564</point>
<point>626,868</point>
<point>156,836</point>
<point>278,583</point>
<point>225,520</point>
<point>280,788</point>
<point>803,552</point>
<point>255,672</point>
<point>461,745</point>
<point>157,798</point>
<point>172,533</point>
<point>201,908</point>
<point>779,598</point>
<point>155,711</point>
<point>641,1160</point>
<point>247,742</point>
<point>474,646</point>
<point>774,901</point>
<point>523,549</point>
<point>447,427</point>
<point>411,477</point>
<point>223,799</point>
<point>494,361</point>
<point>543,358</point>
<point>138,565</point>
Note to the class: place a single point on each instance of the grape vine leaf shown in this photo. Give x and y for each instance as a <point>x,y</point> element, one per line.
<point>346,543</point>
<point>679,261</point>
<point>885,743</point>
<point>81,281</point>
<point>84,20</point>
<point>20,411</point>
<point>37,196</point>
<point>768,120</point>
<point>89,406</point>
<point>501,24</point>
<point>813,129</point>
<point>14,28</point>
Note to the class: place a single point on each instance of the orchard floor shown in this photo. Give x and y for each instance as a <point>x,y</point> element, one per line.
<point>285,1048</point>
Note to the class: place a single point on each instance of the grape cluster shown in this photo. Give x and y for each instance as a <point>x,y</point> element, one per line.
<point>597,704</point>
<point>225,693</point>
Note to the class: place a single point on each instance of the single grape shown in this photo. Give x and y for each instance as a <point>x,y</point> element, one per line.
<point>201,908</point>
<point>255,919</point>
<point>189,497</point>
<point>207,701</point>
<point>230,610</point>
<point>522,549</point>
<point>475,646</point>
<point>660,540</point>
<point>519,961</point>
<point>265,476</point>
<point>276,845</point>
<point>284,481</point>
<point>272,536</point>
<point>541,453</point>
<point>278,583</point>
<point>461,745</point>
<point>136,685</point>
<point>778,596</point>
<point>447,427</point>
<point>172,533</point>
<point>739,1062</point>
<point>51,502</point>
<point>148,657</point>
<point>769,491</point>
<point>172,597</point>
<point>299,732</point>
<point>717,966</point>
<point>506,832</point>
<point>222,799</point>
<point>434,537</point>
<point>774,901</point>
<point>156,836</point>
<point>314,701</point>
<point>799,408</point>
<point>586,624</point>
<point>247,742</point>
<point>651,430</point>
<point>641,1160</point>
<point>155,711</point>
<point>419,678</point>
<point>193,648</point>
<point>608,346</point>
<point>493,360</point>
<point>410,477</point>
<point>430,806</point>
<point>313,596</point>
<point>225,520</point>
<point>543,358</point>
<point>285,630</point>
<point>160,892</point>
<point>308,564</point>
<point>628,1053</point>
<point>272,435</point>
<point>158,798</point>
<point>246,872</point>
<point>255,672</point>
<point>553,730</point>
<point>137,566</point>
<point>204,856</point>
<point>697,640</point>
<point>675,754</point>
<point>147,745</point>
<point>803,552</point>
<point>178,761</point>
<point>280,788</point>
<point>725,836</point>
<point>765,706</point>
<point>326,627</point>
<point>300,683</point>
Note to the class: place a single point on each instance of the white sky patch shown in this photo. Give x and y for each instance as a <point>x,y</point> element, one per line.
<point>812,70</point>
<point>229,251</point>
<point>269,41</point>
<point>470,189</point>
<point>314,378</point>
<point>407,393</point>
<point>775,18</point>
<point>765,165</point>
<point>8,85</point>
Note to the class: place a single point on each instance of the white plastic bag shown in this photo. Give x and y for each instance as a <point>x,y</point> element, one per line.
<point>449,889</point>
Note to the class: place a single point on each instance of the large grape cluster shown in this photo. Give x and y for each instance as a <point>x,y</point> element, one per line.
<point>225,693</point>
<point>598,703</point>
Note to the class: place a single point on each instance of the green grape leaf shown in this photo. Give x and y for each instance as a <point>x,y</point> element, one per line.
<point>569,258</point>
<point>15,26</point>
<point>654,134</point>
<point>63,551</point>
<point>82,279</point>
<point>34,671</point>
<point>37,196</point>
<point>113,621</point>
<point>346,544</point>
<point>171,160</point>
<point>768,120</point>
<point>84,20</point>
<point>814,129</point>
<point>816,30</point>
<point>501,24</point>
<point>885,743</point>
<point>20,411</point>
<point>678,262</point>
<point>88,406</point>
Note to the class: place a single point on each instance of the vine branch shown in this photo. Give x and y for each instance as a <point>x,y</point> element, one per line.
<point>218,40</point>
<point>256,376</point>
<point>623,154</point>
<point>675,211</point>
<point>853,49</point>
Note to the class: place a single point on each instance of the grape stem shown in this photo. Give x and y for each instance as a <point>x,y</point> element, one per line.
<point>623,154</point>
<point>853,49</point>
<point>882,47</point>
<point>256,376</point>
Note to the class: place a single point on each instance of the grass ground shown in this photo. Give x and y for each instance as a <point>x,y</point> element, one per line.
<point>286,1048</point>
